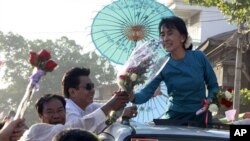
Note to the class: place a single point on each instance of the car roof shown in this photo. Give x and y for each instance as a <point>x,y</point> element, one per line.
<point>121,132</point>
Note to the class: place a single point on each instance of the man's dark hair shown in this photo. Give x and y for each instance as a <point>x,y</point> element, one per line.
<point>71,79</point>
<point>75,135</point>
<point>46,98</point>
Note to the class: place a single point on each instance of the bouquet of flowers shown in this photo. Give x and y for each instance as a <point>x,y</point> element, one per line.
<point>226,98</point>
<point>143,65</point>
<point>41,63</point>
<point>223,98</point>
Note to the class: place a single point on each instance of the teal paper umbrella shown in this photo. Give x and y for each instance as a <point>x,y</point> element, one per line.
<point>119,26</point>
<point>155,108</point>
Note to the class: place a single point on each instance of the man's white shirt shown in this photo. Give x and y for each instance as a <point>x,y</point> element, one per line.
<point>45,132</point>
<point>74,112</point>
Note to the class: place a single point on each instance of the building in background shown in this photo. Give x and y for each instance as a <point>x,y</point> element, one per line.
<point>213,35</point>
<point>202,22</point>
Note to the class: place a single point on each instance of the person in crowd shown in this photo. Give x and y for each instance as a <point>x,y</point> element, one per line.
<point>51,111</point>
<point>79,91</point>
<point>12,130</point>
<point>75,135</point>
<point>187,75</point>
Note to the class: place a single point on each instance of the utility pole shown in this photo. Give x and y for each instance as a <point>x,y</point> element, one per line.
<point>238,67</point>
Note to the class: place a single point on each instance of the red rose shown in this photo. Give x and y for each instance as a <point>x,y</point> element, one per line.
<point>49,65</point>
<point>44,55</point>
<point>33,58</point>
<point>230,90</point>
<point>226,102</point>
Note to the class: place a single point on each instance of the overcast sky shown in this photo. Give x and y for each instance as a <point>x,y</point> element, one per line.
<point>50,19</point>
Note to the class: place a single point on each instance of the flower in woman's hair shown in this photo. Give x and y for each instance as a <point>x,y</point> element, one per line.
<point>44,55</point>
<point>188,42</point>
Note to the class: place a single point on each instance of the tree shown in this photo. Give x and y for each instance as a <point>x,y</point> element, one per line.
<point>237,11</point>
<point>65,52</point>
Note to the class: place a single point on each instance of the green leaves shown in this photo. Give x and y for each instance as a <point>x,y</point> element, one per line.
<point>237,11</point>
<point>244,96</point>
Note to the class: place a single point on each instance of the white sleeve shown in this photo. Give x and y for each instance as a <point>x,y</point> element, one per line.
<point>42,132</point>
<point>89,122</point>
<point>72,116</point>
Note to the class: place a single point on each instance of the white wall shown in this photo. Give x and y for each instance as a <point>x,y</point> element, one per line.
<point>213,22</point>
<point>210,21</point>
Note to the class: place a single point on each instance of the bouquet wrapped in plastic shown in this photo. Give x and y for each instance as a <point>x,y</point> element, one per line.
<point>42,64</point>
<point>143,65</point>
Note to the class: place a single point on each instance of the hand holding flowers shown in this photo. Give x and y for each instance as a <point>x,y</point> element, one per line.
<point>42,63</point>
<point>145,62</point>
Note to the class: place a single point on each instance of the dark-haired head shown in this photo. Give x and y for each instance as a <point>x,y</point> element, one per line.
<point>174,22</point>
<point>71,79</point>
<point>49,105</point>
<point>75,135</point>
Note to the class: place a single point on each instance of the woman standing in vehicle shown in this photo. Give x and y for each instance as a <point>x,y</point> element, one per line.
<point>187,75</point>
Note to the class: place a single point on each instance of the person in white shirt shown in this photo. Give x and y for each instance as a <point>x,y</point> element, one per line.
<point>51,111</point>
<point>79,91</point>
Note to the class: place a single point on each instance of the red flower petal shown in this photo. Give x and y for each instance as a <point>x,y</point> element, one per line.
<point>33,58</point>
<point>226,102</point>
<point>44,55</point>
<point>50,65</point>
<point>230,90</point>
